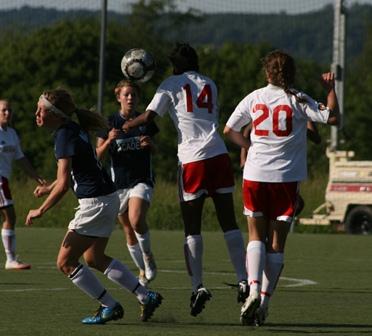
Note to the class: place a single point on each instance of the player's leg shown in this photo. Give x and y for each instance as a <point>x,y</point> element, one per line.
<point>224,206</point>
<point>274,264</point>
<point>8,236</point>
<point>139,203</point>
<point>72,247</point>
<point>133,246</point>
<point>118,273</point>
<point>255,208</point>
<point>193,249</point>
<point>284,197</point>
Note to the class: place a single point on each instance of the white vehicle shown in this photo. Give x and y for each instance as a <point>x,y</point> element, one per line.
<point>348,197</point>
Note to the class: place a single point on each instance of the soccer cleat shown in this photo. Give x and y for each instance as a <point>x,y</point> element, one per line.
<point>248,310</point>
<point>16,265</point>
<point>198,300</point>
<point>261,315</point>
<point>142,279</point>
<point>150,266</point>
<point>153,301</point>
<point>243,291</point>
<point>105,314</point>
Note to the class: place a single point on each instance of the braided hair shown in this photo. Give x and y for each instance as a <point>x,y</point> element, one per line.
<point>280,70</point>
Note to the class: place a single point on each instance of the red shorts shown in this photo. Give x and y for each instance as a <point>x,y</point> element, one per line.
<point>275,201</point>
<point>5,195</point>
<point>209,176</point>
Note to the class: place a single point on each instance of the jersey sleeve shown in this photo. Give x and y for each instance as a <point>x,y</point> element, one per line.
<point>240,117</point>
<point>160,103</point>
<point>64,143</point>
<point>314,110</point>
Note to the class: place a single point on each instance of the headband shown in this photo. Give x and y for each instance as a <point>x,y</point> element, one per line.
<point>52,108</point>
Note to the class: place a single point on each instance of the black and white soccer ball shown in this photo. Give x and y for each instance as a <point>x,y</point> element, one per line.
<point>138,65</point>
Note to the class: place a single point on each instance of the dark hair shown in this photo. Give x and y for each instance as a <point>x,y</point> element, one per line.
<point>184,58</point>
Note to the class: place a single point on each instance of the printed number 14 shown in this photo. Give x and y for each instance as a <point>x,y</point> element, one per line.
<point>204,99</point>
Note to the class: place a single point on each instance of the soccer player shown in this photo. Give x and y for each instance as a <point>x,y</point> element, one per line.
<point>89,231</point>
<point>275,165</point>
<point>10,150</point>
<point>131,171</point>
<point>204,165</point>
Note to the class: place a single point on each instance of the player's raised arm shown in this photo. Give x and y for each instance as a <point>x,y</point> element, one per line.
<point>143,118</point>
<point>328,81</point>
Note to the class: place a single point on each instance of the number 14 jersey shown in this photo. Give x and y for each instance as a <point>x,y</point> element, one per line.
<point>191,100</point>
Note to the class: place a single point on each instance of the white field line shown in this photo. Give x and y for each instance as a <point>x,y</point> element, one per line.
<point>293,282</point>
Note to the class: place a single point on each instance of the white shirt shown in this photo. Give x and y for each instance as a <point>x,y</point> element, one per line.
<point>278,137</point>
<point>191,100</point>
<point>10,150</point>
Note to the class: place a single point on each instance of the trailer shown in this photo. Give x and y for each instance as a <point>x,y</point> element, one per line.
<point>348,196</point>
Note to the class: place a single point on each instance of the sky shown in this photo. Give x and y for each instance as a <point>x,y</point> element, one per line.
<point>240,6</point>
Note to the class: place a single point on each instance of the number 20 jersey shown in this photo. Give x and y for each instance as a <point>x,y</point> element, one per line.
<point>278,136</point>
<point>191,100</point>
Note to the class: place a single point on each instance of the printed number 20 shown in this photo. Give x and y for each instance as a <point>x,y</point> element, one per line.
<point>265,115</point>
<point>204,99</point>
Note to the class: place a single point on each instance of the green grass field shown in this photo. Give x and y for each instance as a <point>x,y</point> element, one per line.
<point>326,288</point>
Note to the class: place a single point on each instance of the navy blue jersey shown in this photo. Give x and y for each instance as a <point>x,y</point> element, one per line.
<point>130,164</point>
<point>89,178</point>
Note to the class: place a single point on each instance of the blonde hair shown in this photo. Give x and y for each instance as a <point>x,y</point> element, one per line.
<point>62,100</point>
<point>126,83</point>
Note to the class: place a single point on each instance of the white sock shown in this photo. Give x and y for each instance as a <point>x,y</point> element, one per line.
<point>144,242</point>
<point>9,241</point>
<point>271,274</point>
<point>120,274</point>
<point>194,259</point>
<point>235,246</point>
<point>256,264</point>
<point>136,254</point>
<point>85,280</point>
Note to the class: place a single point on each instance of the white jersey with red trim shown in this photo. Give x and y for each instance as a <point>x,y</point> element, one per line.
<point>278,137</point>
<point>10,149</point>
<point>191,100</point>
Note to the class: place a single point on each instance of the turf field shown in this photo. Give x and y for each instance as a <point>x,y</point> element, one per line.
<point>325,289</point>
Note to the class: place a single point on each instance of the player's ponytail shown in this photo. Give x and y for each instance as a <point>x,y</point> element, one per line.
<point>61,102</point>
<point>280,70</point>
<point>90,120</point>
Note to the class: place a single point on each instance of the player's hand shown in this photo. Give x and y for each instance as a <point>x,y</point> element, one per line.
<point>328,80</point>
<point>42,190</point>
<point>36,213</point>
<point>113,134</point>
<point>145,141</point>
<point>125,127</point>
<point>40,180</point>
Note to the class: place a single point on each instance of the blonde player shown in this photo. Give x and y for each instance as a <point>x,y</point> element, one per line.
<point>89,231</point>
<point>10,150</point>
<point>204,165</point>
<point>275,165</point>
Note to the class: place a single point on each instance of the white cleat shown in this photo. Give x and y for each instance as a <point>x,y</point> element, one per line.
<point>16,265</point>
<point>248,310</point>
<point>150,266</point>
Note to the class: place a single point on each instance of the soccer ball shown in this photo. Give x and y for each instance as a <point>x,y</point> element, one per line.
<point>138,65</point>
